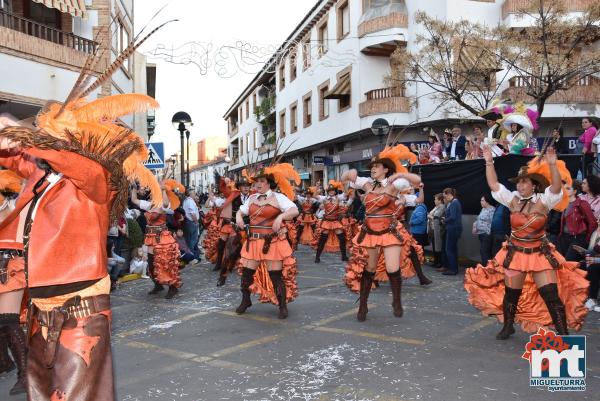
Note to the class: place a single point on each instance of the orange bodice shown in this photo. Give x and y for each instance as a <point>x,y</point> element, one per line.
<point>379,210</point>
<point>156,219</point>
<point>262,218</point>
<point>527,230</point>
<point>332,210</point>
<point>306,207</point>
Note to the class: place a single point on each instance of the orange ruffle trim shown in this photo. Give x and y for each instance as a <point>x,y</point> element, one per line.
<point>331,246</point>
<point>535,262</point>
<point>327,225</point>
<point>213,233</point>
<point>166,260</point>
<point>485,286</point>
<point>16,276</point>
<point>227,230</point>
<point>307,219</point>
<point>292,232</point>
<point>279,250</point>
<point>308,235</point>
<point>359,258</point>
<point>374,241</point>
<point>263,287</point>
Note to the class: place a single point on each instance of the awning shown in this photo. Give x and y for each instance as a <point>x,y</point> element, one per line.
<point>304,176</point>
<point>74,7</point>
<point>341,90</point>
<point>474,58</point>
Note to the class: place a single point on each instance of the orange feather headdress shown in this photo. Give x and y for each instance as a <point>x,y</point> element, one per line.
<point>392,157</point>
<point>9,182</point>
<point>538,170</point>
<point>173,188</point>
<point>336,186</point>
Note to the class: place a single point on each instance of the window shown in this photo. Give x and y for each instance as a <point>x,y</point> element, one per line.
<point>256,139</point>
<point>323,39</point>
<point>343,20</point>
<point>242,145</point>
<point>307,109</point>
<point>240,110</point>
<point>344,101</point>
<point>306,56</point>
<point>40,13</point>
<point>282,75</point>
<point>254,105</point>
<point>248,143</point>
<point>120,39</point>
<point>247,109</point>
<point>282,124</point>
<point>293,68</point>
<point>323,103</point>
<point>294,117</point>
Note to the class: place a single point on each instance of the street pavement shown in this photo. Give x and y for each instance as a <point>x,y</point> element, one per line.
<point>194,347</point>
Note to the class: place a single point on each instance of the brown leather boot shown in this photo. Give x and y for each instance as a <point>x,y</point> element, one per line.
<point>246,282</point>
<point>509,310</point>
<point>414,258</point>
<point>320,246</point>
<point>18,348</point>
<point>299,231</point>
<point>220,252</point>
<point>6,364</point>
<point>172,292</point>
<point>365,288</point>
<point>555,306</point>
<point>342,239</point>
<point>396,284</point>
<point>280,292</point>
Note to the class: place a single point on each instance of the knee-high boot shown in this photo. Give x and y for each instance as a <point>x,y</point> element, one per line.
<point>280,292</point>
<point>299,231</point>
<point>18,348</point>
<point>365,288</point>
<point>246,282</point>
<point>549,293</point>
<point>509,310</point>
<point>396,284</point>
<point>157,287</point>
<point>6,363</point>
<point>414,258</point>
<point>320,246</point>
<point>220,252</point>
<point>342,239</point>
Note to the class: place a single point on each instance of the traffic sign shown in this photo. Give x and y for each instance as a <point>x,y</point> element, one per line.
<point>156,155</point>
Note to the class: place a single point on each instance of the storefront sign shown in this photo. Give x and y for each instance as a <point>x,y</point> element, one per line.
<point>326,160</point>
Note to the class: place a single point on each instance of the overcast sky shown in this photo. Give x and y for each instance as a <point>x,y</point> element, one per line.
<point>208,88</point>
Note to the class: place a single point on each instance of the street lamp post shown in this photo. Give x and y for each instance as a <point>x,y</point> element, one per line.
<point>182,122</point>
<point>187,139</point>
<point>380,129</point>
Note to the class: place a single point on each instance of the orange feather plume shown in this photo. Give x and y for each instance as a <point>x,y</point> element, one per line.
<point>9,182</point>
<point>282,174</point>
<point>336,184</point>
<point>110,108</point>
<point>539,166</point>
<point>397,154</point>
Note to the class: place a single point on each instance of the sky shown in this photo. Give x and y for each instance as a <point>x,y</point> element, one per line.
<point>200,68</point>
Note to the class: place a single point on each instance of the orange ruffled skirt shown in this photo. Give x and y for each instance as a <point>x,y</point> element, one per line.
<point>308,234</point>
<point>485,288</point>
<point>359,258</point>
<point>16,276</point>
<point>333,243</point>
<point>165,266</point>
<point>213,233</point>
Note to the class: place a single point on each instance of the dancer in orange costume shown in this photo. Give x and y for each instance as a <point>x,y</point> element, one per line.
<point>348,221</point>
<point>380,230</point>
<point>163,251</point>
<point>210,243</point>
<point>12,282</point>
<point>268,264</point>
<point>306,221</point>
<point>528,281</point>
<point>235,197</point>
<point>331,223</point>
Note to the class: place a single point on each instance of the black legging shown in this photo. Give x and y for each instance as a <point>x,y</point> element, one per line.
<point>594,278</point>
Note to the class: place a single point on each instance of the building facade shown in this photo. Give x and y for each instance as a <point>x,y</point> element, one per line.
<point>202,177</point>
<point>42,49</point>
<point>320,93</point>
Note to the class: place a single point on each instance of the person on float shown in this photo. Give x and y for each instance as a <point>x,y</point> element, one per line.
<point>234,199</point>
<point>528,268</point>
<point>331,223</point>
<point>379,230</point>
<point>307,220</point>
<point>267,248</point>
<point>163,251</point>
<point>12,282</point>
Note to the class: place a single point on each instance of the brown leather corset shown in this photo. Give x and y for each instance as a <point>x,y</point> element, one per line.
<point>332,211</point>
<point>379,210</point>
<point>262,218</point>
<point>527,230</point>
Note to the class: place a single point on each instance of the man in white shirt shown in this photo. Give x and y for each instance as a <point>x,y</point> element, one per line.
<point>191,226</point>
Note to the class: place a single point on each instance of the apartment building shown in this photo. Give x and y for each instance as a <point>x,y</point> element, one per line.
<point>322,90</point>
<point>44,43</point>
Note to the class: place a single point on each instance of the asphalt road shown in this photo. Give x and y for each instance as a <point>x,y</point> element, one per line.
<point>194,347</point>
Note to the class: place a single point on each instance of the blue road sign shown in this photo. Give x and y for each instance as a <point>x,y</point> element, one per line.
<point>156,155</point>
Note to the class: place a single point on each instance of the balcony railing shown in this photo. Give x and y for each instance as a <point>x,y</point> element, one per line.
<point>41,31</point>
<point>586,91</point>
<point>384,101</point>
<point>393,20</point>
<point>517,6</point>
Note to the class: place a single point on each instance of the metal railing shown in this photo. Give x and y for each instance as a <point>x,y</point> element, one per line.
<point>41,31</point>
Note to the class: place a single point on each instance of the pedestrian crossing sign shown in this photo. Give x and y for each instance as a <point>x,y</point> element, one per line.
<point>156,155</point>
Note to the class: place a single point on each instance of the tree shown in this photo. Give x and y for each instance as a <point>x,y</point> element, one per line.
<point>457,61</point>
<point>555,53</point>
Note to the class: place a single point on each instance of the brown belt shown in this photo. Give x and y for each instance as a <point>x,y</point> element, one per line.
<point>544,248</point>
<point>66,316</point>
<point>364,230</point>
<point>155,229</point>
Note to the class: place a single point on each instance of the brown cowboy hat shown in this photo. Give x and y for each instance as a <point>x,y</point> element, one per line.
<point>242,183</point>
<point>388,163</point>
<point>540,180</point>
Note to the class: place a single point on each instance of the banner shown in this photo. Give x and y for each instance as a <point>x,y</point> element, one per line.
<point>468,178</point>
